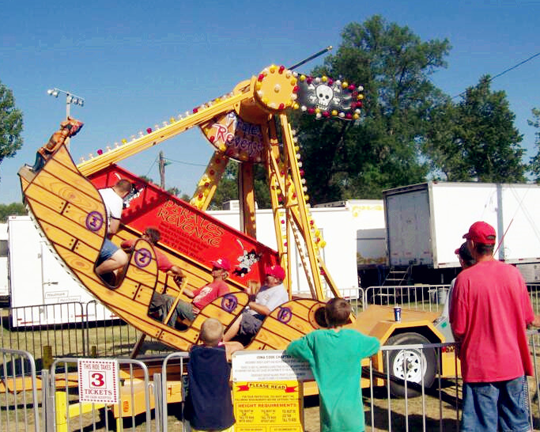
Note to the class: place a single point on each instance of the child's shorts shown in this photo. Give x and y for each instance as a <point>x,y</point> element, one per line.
<point>231,429</point>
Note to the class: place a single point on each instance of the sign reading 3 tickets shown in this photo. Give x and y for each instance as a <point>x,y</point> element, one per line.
<point>98,381</point>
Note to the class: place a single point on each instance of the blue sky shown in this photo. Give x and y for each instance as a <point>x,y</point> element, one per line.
<point>139,63</point>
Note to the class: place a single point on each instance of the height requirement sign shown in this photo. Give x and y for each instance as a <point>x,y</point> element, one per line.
<point>267,391</point>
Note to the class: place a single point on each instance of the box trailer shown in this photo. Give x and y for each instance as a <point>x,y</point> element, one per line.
<point>369,227</point>
<point>425,223</point>
<point>336,225</point>
<point>42,291</point>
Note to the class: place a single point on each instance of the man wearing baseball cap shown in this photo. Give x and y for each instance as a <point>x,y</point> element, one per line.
<point>489,314</point>
<point>465,260</point>
<point>202,296</point>
<point>271,295</point>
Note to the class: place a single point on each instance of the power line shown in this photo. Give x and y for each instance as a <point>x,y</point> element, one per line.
<point>516,66</point>
<point>505,71</point>
<point>151,166</point>
<point>172,160</point>
<point>184,163</point>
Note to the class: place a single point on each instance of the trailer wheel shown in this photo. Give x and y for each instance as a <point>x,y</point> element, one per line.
<point>409,363</point>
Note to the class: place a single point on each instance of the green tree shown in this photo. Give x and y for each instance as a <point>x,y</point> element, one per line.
<point>13,209</point>
<point>147,179</point>
<point>227,189</point>
<point>439,146</point>
<point>262,191</point>
<point>534,165</point>
<point>11,124</point>
<point>475,139</point>
<point>381,150</point>
<point>174,191</point>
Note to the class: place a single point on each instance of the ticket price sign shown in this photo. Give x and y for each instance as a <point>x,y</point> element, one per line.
<point>98,381</point>
<point>268,392</point>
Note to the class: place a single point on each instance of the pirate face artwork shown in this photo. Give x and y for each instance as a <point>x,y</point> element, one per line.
<point>246,261</point>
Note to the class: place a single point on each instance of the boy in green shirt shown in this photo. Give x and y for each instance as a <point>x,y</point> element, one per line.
<point>335,355</point>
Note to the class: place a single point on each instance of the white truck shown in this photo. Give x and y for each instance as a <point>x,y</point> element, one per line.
<point>425,224</point>
<point>41,291</point>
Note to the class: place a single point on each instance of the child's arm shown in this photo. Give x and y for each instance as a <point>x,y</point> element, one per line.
<point>371,345</point>
<point>300,349</point>
<point>231,348</point>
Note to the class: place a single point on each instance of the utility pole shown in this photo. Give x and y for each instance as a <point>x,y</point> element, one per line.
<point>162,164</point>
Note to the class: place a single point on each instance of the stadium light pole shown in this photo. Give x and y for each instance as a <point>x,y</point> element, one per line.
<point>71,99</point>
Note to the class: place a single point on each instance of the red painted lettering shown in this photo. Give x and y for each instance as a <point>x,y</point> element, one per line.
<point>222,133</point>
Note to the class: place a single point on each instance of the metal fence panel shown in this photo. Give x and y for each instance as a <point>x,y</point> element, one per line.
<point>173,367</point>
<point>18,392</point>
<point>86,337</point>
<point>417,297</point>
<point>133,412</point>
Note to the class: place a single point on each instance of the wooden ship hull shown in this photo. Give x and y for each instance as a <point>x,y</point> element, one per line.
<point>68,209</point>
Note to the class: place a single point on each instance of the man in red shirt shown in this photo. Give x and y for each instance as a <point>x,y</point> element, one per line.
<point>208,293</point>
<point>490,312</point>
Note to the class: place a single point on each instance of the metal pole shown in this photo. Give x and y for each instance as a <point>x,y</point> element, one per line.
<point>70,99</point>
<point>68,112</point>
<point>321,52</point>
<point>68,105</point>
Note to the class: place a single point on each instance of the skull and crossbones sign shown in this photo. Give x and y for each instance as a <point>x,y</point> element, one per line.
<point>324,95</point>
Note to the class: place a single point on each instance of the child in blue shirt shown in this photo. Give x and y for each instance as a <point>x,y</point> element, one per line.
<point>208,405</point>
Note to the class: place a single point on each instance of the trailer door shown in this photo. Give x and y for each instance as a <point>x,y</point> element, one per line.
<point>408,224</point>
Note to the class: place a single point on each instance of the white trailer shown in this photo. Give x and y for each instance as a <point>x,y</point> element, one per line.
<point>4,281</point>
<point>338,228</point>
<point>368,222</point>
<point>425,223</point>
<point>42,291</point>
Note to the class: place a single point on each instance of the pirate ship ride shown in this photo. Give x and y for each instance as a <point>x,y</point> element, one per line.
<point>243,125</point>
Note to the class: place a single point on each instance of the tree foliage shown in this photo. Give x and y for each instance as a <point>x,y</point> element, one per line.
<point>11,124</point>
<point>534,165</point>
<point>13,209</point>
<point>227,189</point>
<point>475,139</point>
<point>174,191</point>
<point>360,159</point>
<point>409,129</point>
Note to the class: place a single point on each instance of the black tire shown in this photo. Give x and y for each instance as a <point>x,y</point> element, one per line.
<point>414,358</point>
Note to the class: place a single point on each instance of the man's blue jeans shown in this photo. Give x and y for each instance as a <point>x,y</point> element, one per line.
<point>502,404</point>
